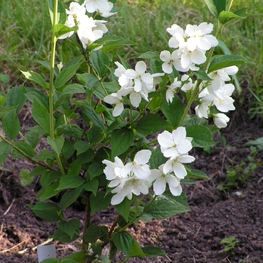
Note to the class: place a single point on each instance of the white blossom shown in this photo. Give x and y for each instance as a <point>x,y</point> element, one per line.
<point>175,143</point>
<point>172,90</point>
<point>161,179</point>
<point>220,120</point>
<point>200,37</point>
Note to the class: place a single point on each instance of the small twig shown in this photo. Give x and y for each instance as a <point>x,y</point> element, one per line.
<point>42,244</point>
<point>9,207</point>
<point>9,249</point>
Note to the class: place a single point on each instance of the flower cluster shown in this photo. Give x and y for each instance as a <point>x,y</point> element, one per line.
<point>135,83</point>
<point>190,46</point>
<point>218,94</point>
<point>88,29</point>
<point>129,179</point>
<point>136,177</point>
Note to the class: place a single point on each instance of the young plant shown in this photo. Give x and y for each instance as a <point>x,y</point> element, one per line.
<point>117,134</point>
<point>229,243</point>
<point>237,175</point>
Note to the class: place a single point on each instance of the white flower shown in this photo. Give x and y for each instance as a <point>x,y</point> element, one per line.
<point>188,83</point>
<point>190,58</point>
<point>132,186</point>
<point>170,61</point>
<point>220,76</point>
<point>117,100</point>
<point>220,120</point>
<point>175,143</point>
<point>199,37</point>
<point>176,165</point>
<point>107,13</point>
<point>129,179</point>
<point>97,5</point>
<point>139,76</point>
<point>161,179</point>
<point>223,101</point>
<point>178,36</point>
<point>75,9</point>
<point>90,30</point>
<point>113,170</point>
<point>172,90</point>
<point>60,66</point>
<point>139,167</point>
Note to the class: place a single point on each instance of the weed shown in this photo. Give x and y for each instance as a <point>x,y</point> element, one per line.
<point>237,175</point>
<point>229,244</point>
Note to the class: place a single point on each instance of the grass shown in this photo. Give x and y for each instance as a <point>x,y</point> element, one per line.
<point>25,33</point>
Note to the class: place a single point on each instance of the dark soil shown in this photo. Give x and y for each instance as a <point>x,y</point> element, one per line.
<point>193,237</point>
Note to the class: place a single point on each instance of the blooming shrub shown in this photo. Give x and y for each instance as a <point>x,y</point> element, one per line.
<point>127,142</point>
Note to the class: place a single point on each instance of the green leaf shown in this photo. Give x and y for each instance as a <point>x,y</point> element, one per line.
<point>150,124</point>
<point>56,144</point>
<point>127,244</point>
<point>41,115</point>
<point>34,135</point>
<point>153,251</point>
<point>99,202</point>
<point>95,169</point>
<point>78,256</point>
<point>73,89</point>
<point>150,55</point>
<point>93,116</point>
<point>89,80</point>
<point>196,174</point>
<point>99,61</point>
<point>61,14</point>
<point>50,260</point>
<point>224,61</point>
<point>4,78</point>
<point>167,205</point>
<point>49,212</point>
<point>202,136</point>
<point>173,111</point>
<point>61,29</point>
<point>226,16</point>
<point>81,147</point>
<point>31,75</point>
<point>121,140</point>
<point>16,97</point>
<point>25,148</point>
<point>124,208</point>
<point>92,186</point>
<point>65,238</point>
<point>69,227</point>
<point>26,177</point>
<point>113,42</point>
<point>48,192</point>
<point>11,125</point>
<point>49,177</point>
<point>157,158</point>
<point>216,6</point>
<point>67,73</point>
<point>70,181</point>
<point>70,197</point>
<point>95,135</point>
<point>34,94</point>
<point>93,233</point>
<point>5,149</point>
<point>202,75</point>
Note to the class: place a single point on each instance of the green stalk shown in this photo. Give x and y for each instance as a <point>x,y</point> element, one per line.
<point>52,68</point>
<point>51,80</point>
